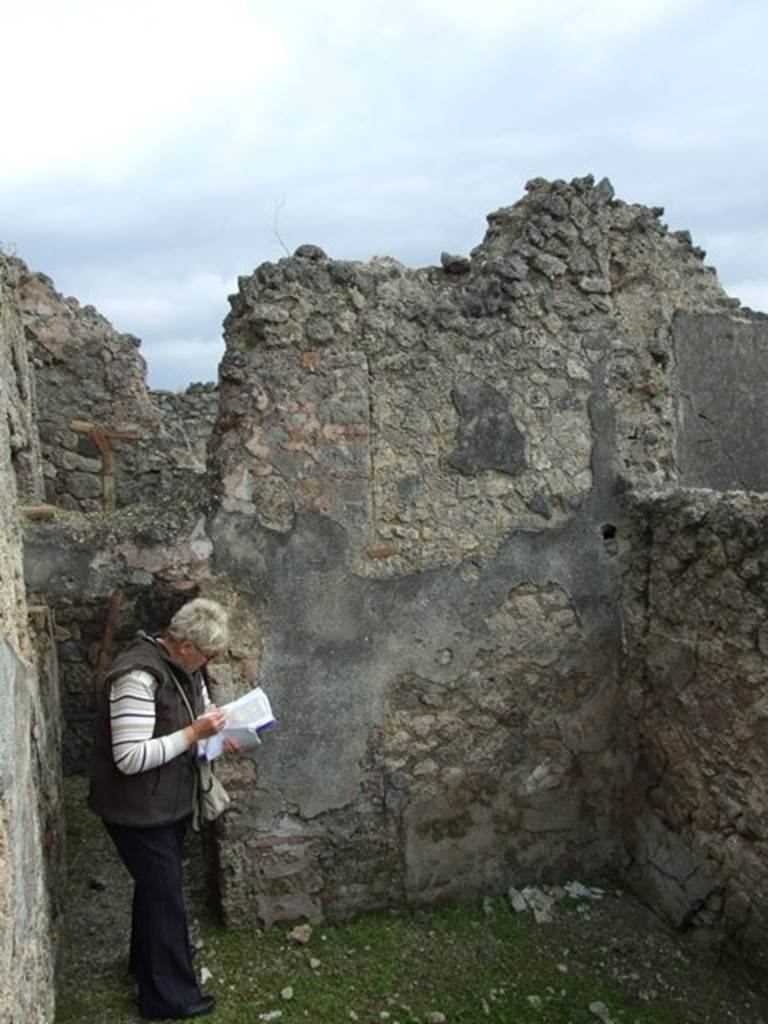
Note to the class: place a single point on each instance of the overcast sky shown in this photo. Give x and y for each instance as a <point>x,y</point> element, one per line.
<point>149,149</point>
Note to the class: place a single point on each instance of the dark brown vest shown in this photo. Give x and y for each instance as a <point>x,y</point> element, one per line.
<point>161,795</point>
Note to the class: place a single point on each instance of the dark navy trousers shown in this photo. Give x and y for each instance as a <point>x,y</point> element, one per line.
<point>160,952</point>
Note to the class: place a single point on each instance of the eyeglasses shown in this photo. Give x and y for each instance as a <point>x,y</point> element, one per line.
<point>206,653</point>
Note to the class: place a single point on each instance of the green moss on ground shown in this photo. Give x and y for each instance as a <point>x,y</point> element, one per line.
<point>476,962</point>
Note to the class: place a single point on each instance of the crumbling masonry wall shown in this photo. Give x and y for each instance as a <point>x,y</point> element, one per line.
<point>31,853</point>
<point>433,502</point>
<point>107,441</point>
<point>417,476</point>
<point>696,817</point>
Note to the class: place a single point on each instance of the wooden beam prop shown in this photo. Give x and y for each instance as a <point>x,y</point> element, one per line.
<point>102,437</point>
<point>108,638</point>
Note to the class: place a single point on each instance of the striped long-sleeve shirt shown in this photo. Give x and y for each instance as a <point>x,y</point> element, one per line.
<point>132,718</point>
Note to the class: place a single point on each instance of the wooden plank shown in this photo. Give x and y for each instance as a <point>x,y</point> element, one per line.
<point>102,442</point>
<point>39,512</point>
<point>108,638</point>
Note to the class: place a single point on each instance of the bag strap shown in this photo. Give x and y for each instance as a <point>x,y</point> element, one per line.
<point>204,771</point>
<point>203,768</point>
<point>180,688</point>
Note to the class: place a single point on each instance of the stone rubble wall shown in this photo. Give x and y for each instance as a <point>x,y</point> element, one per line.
<point>31,833</point>
<point>22,478</point>
<point>696,817</point>
<point>188,418</point>
<point>378,395</point>
<point>416,475</point>
<point>20,399</point>
<point>89,375</point>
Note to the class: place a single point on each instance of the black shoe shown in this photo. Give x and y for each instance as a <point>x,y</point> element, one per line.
<point>203,1006</point>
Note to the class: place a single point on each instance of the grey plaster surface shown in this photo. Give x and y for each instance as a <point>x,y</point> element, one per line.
<point>16,683</point>
<point>488,437</point>
<point>335,641</point>
<point>9,667</point>
<point>722,369</point>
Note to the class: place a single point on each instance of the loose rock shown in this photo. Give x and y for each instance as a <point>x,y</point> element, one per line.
<point>302,933</point>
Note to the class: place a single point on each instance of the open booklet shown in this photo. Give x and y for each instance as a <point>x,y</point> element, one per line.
<point>246,718</point>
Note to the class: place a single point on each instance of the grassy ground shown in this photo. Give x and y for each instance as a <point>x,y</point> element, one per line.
<point>471,963</point>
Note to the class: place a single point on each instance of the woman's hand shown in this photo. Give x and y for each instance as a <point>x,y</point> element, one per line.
<point>232,746</point>
<point>206,725</point>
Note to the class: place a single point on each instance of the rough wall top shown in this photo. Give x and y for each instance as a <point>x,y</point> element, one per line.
<point>107,440</point>
<point>574,234</point>
<point>85,557</point>
<point>432,411</point>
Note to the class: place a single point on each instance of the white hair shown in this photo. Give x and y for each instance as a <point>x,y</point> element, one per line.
<point>202,622</point>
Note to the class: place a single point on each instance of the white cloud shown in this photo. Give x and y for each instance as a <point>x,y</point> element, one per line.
<point>97,79</point>
<point>144,312</point>
<point>752,292</point>
<point>174,362</point>
<point>595,19</point>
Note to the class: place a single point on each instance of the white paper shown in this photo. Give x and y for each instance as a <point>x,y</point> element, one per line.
<point>245,717</point>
